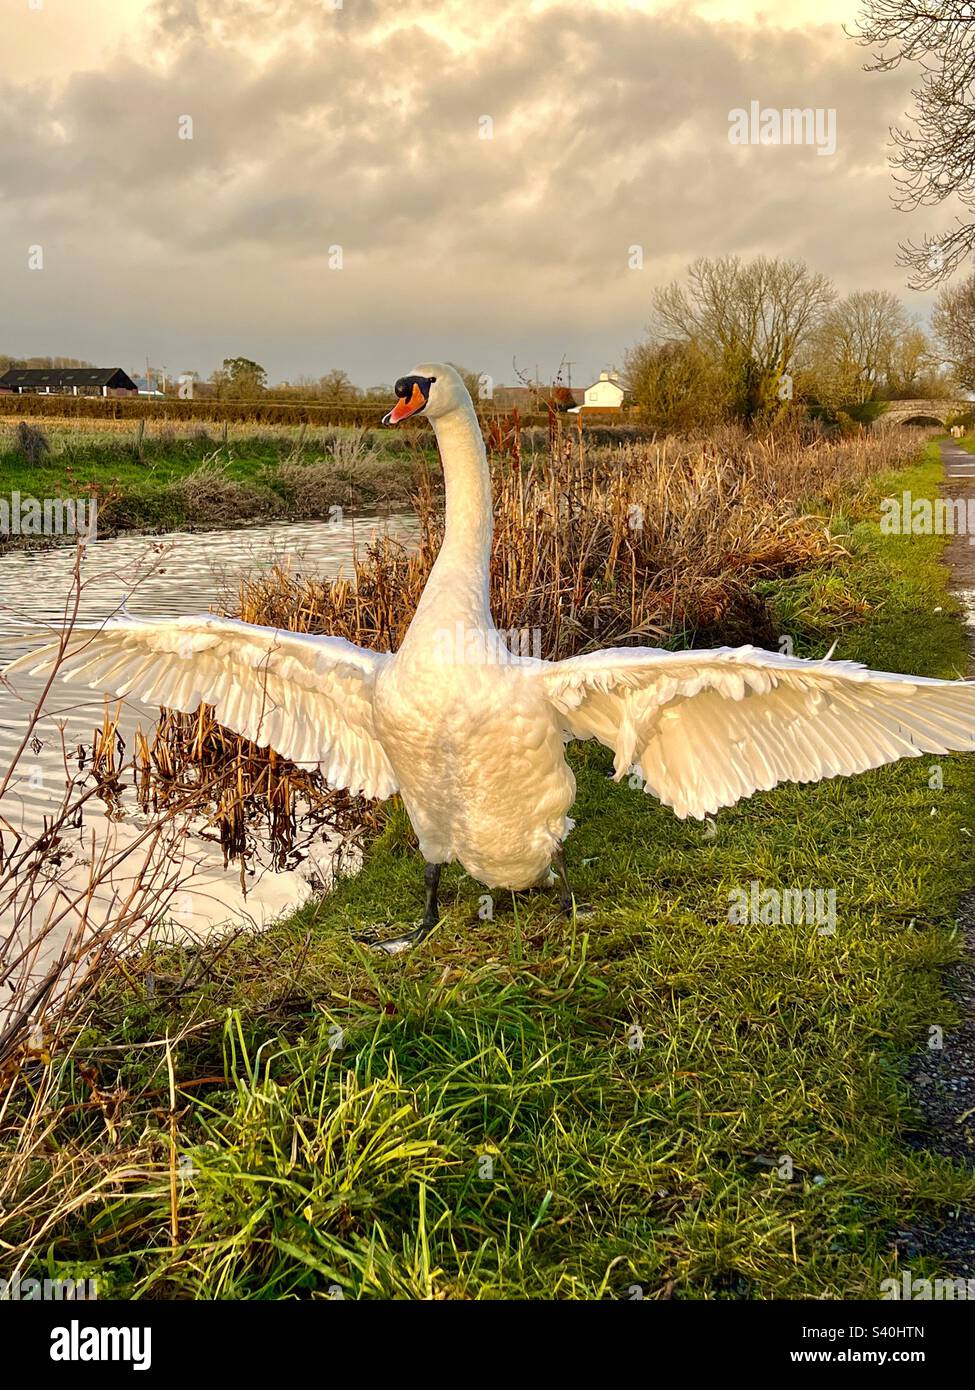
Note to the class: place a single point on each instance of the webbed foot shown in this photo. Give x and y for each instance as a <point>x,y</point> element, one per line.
<point>396,945</point>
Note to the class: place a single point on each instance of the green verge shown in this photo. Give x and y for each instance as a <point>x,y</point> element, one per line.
<point>165,482</point>
<point>482,1118</point>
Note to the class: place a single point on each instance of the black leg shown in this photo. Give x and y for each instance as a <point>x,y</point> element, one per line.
<point>431,911</point>
<point>431,916</point>
<point>567,900</point>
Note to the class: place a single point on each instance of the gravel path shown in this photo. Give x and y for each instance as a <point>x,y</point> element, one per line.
<point>945,1078</point>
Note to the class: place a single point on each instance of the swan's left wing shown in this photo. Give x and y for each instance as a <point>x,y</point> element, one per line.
<point>706,728</point>
<point>306,696</point>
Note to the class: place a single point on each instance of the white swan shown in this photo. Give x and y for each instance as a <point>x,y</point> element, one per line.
<point>473,738</point>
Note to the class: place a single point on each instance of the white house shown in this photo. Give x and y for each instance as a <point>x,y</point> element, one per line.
<point>605,394</point>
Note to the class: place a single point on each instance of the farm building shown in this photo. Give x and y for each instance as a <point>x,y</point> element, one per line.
<point>68,381</point>
<point>603,397</point>
<point>148,386</point>
<point>605,394</point>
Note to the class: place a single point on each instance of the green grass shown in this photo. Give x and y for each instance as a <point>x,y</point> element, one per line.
<point>163,480</point>
<point>488,1125</point>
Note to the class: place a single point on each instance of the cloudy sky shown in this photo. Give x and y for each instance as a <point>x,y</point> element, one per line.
<point>362,127</point>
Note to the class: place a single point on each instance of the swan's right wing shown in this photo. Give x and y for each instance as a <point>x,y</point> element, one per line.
<point>310,698</point>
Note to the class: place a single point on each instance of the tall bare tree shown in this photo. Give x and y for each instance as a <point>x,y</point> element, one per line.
<point>336,388</point>
<point>751,317</point>
<point>853,350</point>
<point>953,321</point>
<point>935,156</point>
<point>914,368</point>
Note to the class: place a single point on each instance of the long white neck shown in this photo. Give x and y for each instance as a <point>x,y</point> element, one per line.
<point>458,590</point>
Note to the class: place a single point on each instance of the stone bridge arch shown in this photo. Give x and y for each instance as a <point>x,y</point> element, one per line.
<point>902,412</point>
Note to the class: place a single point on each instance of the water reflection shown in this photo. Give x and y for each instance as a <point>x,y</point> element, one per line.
<point>153,576</point>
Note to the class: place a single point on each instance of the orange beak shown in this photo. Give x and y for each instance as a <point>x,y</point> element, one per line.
<point>406,407</point>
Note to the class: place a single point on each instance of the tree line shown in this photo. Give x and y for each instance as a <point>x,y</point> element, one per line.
<point>764,339</point>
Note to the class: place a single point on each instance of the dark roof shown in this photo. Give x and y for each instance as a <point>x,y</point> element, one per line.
<point>66,376</point>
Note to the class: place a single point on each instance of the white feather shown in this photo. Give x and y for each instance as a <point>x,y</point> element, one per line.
<point>711,727</point>
<point>272,686</point>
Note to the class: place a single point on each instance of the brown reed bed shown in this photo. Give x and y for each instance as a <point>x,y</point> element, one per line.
<point>649,543</point>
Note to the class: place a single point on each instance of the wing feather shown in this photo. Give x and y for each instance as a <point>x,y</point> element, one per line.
<point>310,698</point>
<point>707,728</point>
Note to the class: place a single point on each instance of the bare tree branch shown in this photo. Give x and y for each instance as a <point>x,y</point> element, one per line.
<point>935,155</point>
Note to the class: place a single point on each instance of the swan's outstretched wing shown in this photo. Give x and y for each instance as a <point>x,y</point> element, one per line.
<point>705,729</point>
<point>307,697</point>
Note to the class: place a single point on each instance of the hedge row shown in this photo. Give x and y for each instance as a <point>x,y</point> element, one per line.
<point>232,412</point>
<point>143,408</point>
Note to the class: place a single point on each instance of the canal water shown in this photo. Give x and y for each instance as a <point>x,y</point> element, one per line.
<point>154,576</point>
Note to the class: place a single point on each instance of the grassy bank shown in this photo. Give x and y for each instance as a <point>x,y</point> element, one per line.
<point>650,1097</point>
<point>161,479</point>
